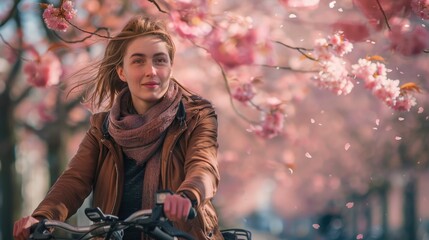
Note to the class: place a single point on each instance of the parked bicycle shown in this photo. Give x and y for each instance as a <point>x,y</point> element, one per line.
<point>150,221</point>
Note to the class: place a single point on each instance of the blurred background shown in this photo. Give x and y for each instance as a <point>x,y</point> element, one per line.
<point>342,167</point>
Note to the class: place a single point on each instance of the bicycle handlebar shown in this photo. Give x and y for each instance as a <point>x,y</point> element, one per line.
<point>150,221</point>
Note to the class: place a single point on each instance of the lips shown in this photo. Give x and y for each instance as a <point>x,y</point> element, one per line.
<point>151,84</point>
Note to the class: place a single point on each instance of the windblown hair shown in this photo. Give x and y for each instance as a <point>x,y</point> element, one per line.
<point>101,90</point>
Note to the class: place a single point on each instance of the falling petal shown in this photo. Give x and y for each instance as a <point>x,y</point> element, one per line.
<point>290,170</point>
<point>377,122</point>
<point>308,155</point>
<point>292,15</point>
<point>347,146</point>
<point>398,138</point>
<point>312,120</point>
<point>420,110</point>
<point>401,119</point>
<point>316,226</point>
<point>332,4</point>
<point>374,128</point>
<point>349,204</point>
<point>359,236</point>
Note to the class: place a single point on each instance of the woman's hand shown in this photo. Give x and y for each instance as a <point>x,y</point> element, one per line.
<point>176,207</point>
<point>21,228</point>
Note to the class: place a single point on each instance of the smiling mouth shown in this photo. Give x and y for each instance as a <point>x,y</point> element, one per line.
<point>151,85</point>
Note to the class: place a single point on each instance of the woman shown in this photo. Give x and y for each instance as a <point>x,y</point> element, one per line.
<point>156,135</point>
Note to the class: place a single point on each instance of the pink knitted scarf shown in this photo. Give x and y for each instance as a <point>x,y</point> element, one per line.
<point>141,136</point>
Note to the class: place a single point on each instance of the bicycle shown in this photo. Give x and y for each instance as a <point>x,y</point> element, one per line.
<point>150,221</point>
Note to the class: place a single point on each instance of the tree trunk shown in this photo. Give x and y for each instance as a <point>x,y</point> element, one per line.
<point>10,189</point>
<point>410,211</point>
<point>56,154</point>
<point>367,211</point>
<point>384,212</point>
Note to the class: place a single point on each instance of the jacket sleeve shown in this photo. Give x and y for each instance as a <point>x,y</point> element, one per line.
<point>201,166</point>
<point>75,183</point>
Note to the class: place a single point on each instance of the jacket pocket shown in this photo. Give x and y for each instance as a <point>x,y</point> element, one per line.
<point>209,220</point>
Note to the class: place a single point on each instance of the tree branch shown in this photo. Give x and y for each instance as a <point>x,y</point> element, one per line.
<point>288,68</point>
<point>11,13</point>
<point>384,15</point>
<point>17,51</point>
<point>228,89</point>
<point>157,6</point>
<point>23,95</point>
<point>299,49</point>
<point>91,33</point>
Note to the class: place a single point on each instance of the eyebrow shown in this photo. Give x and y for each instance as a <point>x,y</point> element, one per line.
<point>144,55</point>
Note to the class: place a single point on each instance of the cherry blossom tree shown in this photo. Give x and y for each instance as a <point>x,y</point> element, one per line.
<point>299,87</point>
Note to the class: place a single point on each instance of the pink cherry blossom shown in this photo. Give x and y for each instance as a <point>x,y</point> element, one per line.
<point>238,42</point>
<point>272,119</point>
<point>190,24</point>
<point>340,46</point>
<point>407,40</point>
<point>353,31</point>
<point>387,90</point>
<point>404,102</point>
<point>334,76</point>
<point>271,126</point>
<point>244,92</point>
<point>372,11</point>
<point>371,73</point>
<point>421,8</point>
<point>43,72</point>
<point>56,18</point>
<point>335,45</point>
<point>236,50</point>
<point>375,77</point>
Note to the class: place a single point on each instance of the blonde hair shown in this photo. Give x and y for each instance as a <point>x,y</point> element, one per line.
<point>106,84</point>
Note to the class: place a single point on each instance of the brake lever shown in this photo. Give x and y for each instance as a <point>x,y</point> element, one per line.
<point>39,231</point>
<point>96,215</point>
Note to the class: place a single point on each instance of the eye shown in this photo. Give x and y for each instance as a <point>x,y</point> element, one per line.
<point>161,60</point>
<point>137,60</point>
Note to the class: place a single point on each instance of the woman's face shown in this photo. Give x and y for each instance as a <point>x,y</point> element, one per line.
<point>146,69</point>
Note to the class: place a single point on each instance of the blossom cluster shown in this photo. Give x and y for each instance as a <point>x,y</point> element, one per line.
<point>421,8</point>
<point>45,71</point>
<point>407,39</point>
<point>272,114</point>
<point>190,18</point>
<point>333,74</point>
<point>234,45</point>
<point>272,120</point>
<point>244,92</point>
<point>374,75</point>
<point>57,18</point>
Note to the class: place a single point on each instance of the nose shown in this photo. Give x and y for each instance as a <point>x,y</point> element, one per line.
<point>150,70</point>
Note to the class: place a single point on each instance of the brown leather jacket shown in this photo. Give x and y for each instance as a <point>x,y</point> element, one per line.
<point>189,163</point>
